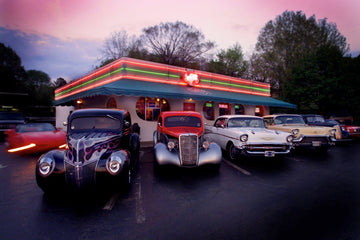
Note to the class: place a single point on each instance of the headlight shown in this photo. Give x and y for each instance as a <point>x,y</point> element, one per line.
<point>206,145</point>
<point>244,137</point>
<point>46,166</point>
<point>113,165</point>
<point>332,132</point>
<point>290,138</point>
<point>295,131</point>
<point>171,145</point>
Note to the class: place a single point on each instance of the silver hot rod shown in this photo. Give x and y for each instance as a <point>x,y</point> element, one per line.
<point>102,147</point>
<point>179,141</point>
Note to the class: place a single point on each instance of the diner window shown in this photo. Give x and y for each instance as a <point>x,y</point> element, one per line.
<point>239,109</point>
<point>259,111</point>
<point>224,109</point>
<point>189,106</point>
<point>111,103</point>
<point>149,108</point>
<point>208,110</point>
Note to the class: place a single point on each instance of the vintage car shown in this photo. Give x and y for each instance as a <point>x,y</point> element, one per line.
<point>35,138</point>
<point>101,152</point>
<point>316,137</point>
<point>179,141</point>
<point>247,136</point>
<point>318,120</point>
<point>347,124</point>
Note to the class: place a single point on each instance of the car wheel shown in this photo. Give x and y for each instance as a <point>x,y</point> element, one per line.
<point>126,177</point>
<point>231,151</point>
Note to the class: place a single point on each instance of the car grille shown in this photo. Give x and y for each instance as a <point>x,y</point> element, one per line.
<point>309,140</point>
<point>267,147</point>
<point>188,146</point>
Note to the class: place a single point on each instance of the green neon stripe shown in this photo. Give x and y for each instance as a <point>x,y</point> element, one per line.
<point>157,74</point>
<point>235,85</point>
<point>152,73</point>
<point>116,71</point>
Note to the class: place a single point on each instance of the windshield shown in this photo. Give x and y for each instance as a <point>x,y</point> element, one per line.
<point>246,122</point>
<point>11,116</point>
<point>289,120</point>
<point>98,122</point>
<point>35,127</point>
<point>315,119</point>
<point>182,121</point>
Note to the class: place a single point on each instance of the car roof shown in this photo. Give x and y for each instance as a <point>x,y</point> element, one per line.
<point>92,112</point>
<point>238,116</point>
<point>180,113</point>
<point>285,114</point>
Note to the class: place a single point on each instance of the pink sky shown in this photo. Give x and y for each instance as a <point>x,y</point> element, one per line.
<point>223,21</point>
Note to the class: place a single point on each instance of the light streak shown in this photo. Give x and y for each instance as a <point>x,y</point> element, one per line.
<point>31,145</point>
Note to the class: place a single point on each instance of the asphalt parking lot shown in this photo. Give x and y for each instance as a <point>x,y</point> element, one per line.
<point>304,196</point>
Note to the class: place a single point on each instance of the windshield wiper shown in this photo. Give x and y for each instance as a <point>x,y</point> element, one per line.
<point>111,117</point>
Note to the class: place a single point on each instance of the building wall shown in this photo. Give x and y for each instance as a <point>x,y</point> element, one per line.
<point>129,103</point>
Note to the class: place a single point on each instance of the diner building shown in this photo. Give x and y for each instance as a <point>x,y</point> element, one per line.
<point>146,88</point>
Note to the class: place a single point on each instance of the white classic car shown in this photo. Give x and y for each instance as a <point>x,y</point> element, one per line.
<point>247,135</point>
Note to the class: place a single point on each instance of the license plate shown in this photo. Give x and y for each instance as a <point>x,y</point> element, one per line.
<point>316,143</point>
<point>269,154</point>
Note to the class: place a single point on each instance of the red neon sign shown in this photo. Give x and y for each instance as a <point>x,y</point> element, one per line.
<point>191,79</point>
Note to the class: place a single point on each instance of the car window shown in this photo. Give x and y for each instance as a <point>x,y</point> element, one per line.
<point>289,120</point>
<point>34,127</point>
<point>246,122</point>
<point>98,122</point>
<point>220,122</point>
<point>315,119</point>
<point>182,121</point>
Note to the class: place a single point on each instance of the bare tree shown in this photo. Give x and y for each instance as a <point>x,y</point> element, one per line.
<point>176,43</point>
<point>120,44</point>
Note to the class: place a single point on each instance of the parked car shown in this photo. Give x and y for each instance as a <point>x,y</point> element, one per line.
<point>8,121</point>
<point>316,137</point>
<point>318,120</point>
<point>347,124</point>
<point>34,138</point>
<point>179,141</point>
<point>246,135</point>
<point>102,150</point>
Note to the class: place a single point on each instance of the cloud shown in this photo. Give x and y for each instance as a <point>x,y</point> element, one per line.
<point>69,59</point>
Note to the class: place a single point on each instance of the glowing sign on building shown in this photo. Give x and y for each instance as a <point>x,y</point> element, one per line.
<point>191,79</point>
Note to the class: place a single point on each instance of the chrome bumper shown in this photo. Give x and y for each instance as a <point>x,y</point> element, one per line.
<point>163,156</point>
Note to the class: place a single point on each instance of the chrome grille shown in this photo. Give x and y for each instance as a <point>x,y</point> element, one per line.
<point>188,146</point>
<point>310,139</point>
<point>267,147</point>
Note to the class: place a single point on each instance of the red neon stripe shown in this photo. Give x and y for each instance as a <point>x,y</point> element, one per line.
<point>100,70</point>
<point>159,66</point>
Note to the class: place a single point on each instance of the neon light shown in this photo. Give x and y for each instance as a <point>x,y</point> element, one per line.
<point>63,146</point>
<point>191,79</point>
<point>126,65</point>
<point>31,145</point>
<point>208,105</point>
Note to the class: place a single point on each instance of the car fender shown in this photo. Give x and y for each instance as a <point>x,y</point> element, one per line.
<point>164,157</point>
<point>212,155</point>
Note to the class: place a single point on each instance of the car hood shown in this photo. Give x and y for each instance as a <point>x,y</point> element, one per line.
<point>303,129</point>
<point>177,131</point>
<point>89,147</point>
<point>262,134</point>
